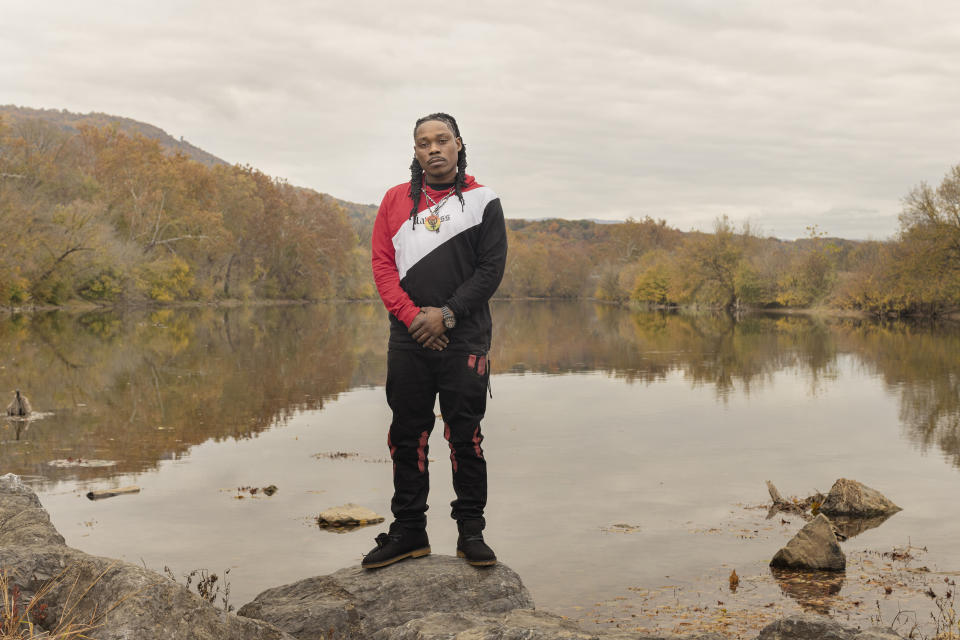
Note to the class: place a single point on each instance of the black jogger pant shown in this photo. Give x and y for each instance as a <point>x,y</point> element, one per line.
<point>414,378</point>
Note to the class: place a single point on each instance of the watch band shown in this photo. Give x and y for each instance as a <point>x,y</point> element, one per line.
<point>449,321</point>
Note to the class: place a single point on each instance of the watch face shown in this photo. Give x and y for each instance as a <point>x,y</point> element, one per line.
<point>449,323</point>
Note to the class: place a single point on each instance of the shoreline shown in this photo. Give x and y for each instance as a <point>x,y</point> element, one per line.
<point>813,312</point>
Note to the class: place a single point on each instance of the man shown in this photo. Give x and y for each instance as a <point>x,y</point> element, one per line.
<point>439,249</point>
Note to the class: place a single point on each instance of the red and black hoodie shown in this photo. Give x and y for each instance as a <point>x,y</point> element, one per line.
<point>459,265</point>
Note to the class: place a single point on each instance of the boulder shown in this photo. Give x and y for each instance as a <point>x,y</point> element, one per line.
<point>817,628</point>
<point>355,603</point>
<point>815,547</point>
<point>125,600</point>
<point>853,499</point>
<point>432,598</point>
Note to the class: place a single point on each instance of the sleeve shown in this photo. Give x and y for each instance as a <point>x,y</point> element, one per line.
<point>491,260</point>
<point>385,272</point>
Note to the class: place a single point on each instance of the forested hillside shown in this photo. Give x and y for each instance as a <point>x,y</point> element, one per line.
<point>113,211</point>
<point>107,217</point>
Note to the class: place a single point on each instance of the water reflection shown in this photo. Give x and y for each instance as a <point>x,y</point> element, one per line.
<point>852,527</point>
<point>710,349</point>
<point>143,387</point>
<point>814,591</point>
<point>921,364</point>
<point>140,388</point>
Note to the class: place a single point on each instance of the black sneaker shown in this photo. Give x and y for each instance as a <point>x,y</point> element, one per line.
<point>396,545</point>
<point>470,544</point>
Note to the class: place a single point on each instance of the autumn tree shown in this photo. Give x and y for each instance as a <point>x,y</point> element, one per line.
<point>716,259</point>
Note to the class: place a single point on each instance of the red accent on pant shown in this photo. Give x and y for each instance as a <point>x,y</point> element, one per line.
<point>476,442</point>
<point>483,365</point>
<point>471,361</point>
<point>453,452</point>
<point>422,452</point>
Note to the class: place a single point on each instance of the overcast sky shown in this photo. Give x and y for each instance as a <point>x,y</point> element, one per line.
<point>783,114</point>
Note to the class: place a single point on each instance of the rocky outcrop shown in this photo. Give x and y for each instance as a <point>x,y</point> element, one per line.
<point>815,547</point>
<point>856,500</point>
<point>816,628</point>
<point>125,600</point>
<point>431,598</point>
<point>357,602</point>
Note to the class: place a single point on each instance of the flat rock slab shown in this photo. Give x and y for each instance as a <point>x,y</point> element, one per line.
<point>353,603</point>
<point>854,499</point>
<point>815,547</point>
<point>816,628</point>
<point>349,515</point>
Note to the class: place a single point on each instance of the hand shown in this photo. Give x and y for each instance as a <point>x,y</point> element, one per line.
<point>427,324</point>
<point>437,344</point>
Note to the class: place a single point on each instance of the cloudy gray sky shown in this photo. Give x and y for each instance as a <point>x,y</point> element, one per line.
<point>783,114</point>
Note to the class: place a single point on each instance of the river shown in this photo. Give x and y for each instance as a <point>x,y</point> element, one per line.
<point>627,452</point>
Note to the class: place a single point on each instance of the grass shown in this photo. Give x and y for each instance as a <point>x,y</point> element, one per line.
<point>23,618</point>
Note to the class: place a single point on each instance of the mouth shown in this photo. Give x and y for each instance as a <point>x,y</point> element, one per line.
<point>436,161</point>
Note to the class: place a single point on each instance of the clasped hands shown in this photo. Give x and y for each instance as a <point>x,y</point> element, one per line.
<point>428,330</point>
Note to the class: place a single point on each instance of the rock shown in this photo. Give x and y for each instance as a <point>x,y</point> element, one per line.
<point>129,601</point>
<point>817,628</point>
<point>853,499</point>
<point>525,624</point>
<point>348,516</point>
<point>357,602</point>
<point>519,623</point>
<point>814,547</point>
<point>23,521</point>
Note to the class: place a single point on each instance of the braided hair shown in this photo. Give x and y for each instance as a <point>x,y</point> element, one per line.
<point>416,171</point>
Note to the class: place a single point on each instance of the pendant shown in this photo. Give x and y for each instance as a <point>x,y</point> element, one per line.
<point>432,222</point>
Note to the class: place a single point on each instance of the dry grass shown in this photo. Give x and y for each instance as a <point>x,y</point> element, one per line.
<point>23,618</point>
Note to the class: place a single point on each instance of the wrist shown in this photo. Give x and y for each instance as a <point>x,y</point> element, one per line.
<point>449,319</point>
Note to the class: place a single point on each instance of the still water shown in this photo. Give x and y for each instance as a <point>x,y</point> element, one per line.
<point>627,452</point>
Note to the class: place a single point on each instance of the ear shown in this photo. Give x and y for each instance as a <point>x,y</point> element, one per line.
<point>459,144</point>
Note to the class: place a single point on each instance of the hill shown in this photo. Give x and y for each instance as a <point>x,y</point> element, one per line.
<point>71,123</point>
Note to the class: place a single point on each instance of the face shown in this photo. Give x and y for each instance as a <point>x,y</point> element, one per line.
<point>436,149</point>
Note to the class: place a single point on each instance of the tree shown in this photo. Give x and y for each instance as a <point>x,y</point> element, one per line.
<point>716,259</point>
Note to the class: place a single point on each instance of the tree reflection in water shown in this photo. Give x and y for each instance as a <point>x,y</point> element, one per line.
<point>143,387</point>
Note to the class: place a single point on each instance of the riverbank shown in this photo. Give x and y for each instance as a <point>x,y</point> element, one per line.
<point>86,307</point>
<point>814,312</point>
<point>428,599</point>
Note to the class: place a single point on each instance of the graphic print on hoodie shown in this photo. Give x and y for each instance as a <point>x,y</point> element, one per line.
<point>460,265</point>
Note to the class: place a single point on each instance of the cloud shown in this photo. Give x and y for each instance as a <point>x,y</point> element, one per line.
<point>780,113</point>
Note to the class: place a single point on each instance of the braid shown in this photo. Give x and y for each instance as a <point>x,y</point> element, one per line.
<point>416,171</point>
<point>416,188</point>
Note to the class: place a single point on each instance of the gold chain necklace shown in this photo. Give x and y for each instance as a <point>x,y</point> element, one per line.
<point>432,221</point>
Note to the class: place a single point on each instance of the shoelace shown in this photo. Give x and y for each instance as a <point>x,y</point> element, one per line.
<point>383,539</point>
